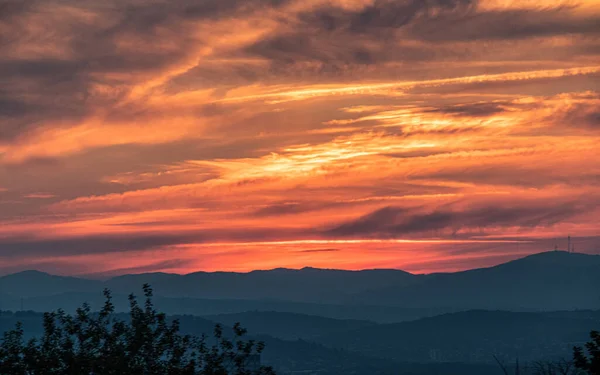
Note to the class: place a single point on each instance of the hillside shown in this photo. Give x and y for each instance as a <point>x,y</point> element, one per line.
<point>472,336</point>
<point>289,326</point>
<point>544,281</point>
<point>34,283</point>
<point>200,306</point>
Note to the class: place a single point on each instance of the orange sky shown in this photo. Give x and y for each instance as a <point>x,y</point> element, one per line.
<point>427,135</point>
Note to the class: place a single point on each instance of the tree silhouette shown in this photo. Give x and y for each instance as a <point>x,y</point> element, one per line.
<point>591,362</point>
<point>146,344</point>
<point>561,367</point>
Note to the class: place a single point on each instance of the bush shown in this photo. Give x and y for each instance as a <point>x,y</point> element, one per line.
<point>591,363</point>
<point>147,344</point>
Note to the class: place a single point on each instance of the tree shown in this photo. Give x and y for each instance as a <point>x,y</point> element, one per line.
<point>589,363</point>
<point>505,369</point>
<point>147,344</point>
<point>562,367</point>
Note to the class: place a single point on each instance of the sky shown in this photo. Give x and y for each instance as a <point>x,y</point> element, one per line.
<point>177,136</point>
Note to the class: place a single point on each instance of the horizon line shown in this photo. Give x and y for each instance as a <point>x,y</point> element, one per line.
<point>103,276</point>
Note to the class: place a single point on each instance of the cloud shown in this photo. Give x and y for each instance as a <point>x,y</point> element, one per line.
<point>481,109</point>
<point>64,61</point>
<point>576,111</point>
<point>398,221</point>
<point>24,248</point>
<point>133,241</point>
<point>370,223</point>
<point>39,196</point>
<point>292,208</point>
<point>330,250</point>
<point>336,39</point>
<point>160,266</point>
<point>283,209</point>
<point>506,24</point>
<point>337,36</point>
<point>380,15</point>
<point>11,107</point>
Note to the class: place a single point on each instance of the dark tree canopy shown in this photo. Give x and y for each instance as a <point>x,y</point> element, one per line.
<point>589,362</point>
<point>147,344</point>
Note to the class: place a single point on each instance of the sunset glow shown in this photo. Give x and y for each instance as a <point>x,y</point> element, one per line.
<point>177,136</point>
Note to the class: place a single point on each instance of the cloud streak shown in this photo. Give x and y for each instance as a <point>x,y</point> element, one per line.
<point>452,221</point>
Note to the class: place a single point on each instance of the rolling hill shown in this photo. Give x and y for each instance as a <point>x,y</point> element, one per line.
<point>35,283</point>
<point>545,281</point>
<point>199,306</point>
<point>472,336</point>
<point>289,326</point>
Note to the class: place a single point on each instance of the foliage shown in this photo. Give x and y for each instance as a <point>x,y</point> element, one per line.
<point>146,344</point>
<point>590,362</point>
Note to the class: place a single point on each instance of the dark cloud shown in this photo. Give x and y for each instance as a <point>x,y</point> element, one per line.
<point>471,109</point>
<point>13,8</point>
<point>112,243</point>
<point>152,267</point>
<point>281,209</point>
<point>382,15</point>
<point>63,88</point>
<point>290,208</point>
<point>584,114</point>
<point>23,247</point>
<point>338,38</point>
<point>338,55</point>
<point>227,8</point>
<point>503,25</point>
<point>396,221</point>
<point>371,223</point>
<point>318,251</point>
<point>398,189</point>
<point>593,119</point>
<point>10,107</point>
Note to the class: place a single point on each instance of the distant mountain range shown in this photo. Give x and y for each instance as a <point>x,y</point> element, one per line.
<point>304,285</point>
<point>545,281</point>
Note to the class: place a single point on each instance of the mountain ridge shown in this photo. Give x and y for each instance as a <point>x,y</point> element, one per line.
<point>546,281</point>
<point>552,253</point>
